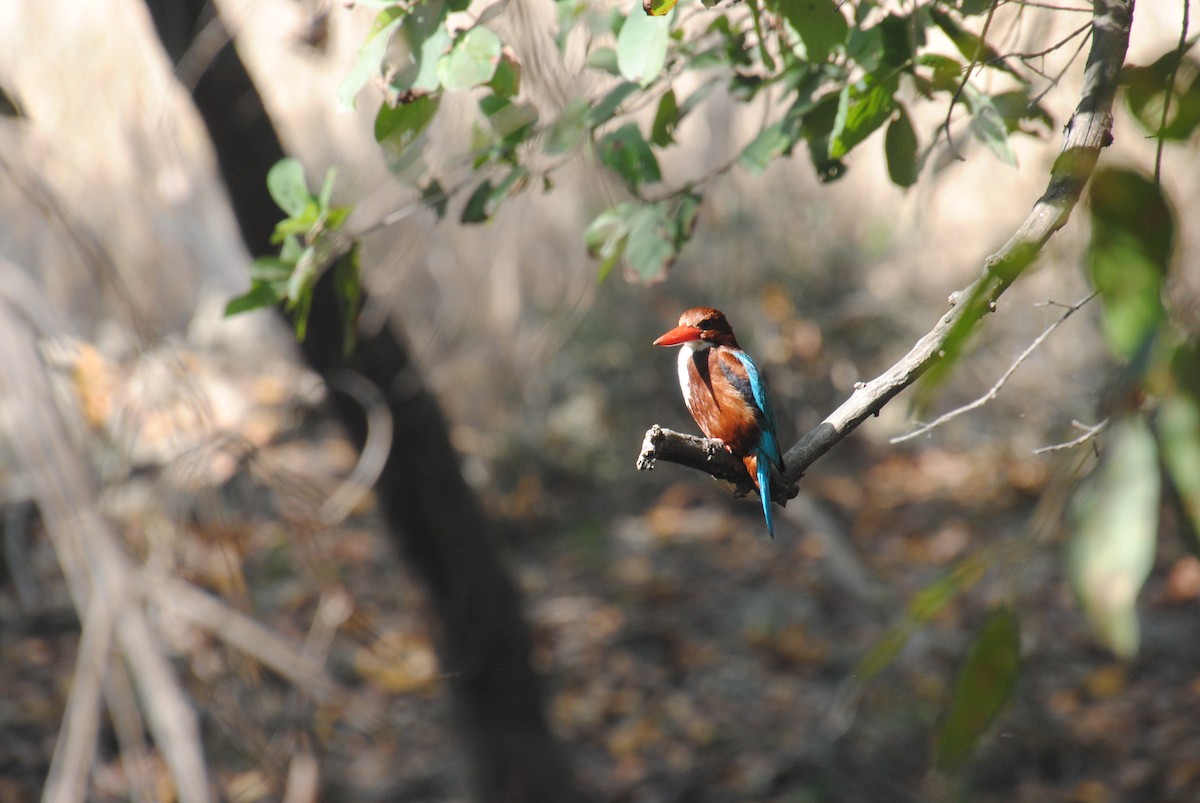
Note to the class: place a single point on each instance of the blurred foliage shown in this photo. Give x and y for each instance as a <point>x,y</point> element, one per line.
<point>1153,405</point>
<point>835,69</point>
<point>985,682</point>
<point>307,237</point>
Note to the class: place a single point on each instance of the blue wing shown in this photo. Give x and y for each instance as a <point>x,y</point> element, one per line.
<point>768,441</point>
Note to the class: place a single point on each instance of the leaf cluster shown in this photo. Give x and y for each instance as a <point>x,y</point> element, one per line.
<point>836,72</point>
<point>308,238</point>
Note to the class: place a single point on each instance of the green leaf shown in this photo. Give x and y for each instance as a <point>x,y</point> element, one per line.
<point>650,248</point>
<point>778,138</point>
<point>335,216</point>
<point>970,45</point>
<point>475,210</point>
<point>933,598</point>
<point>567,132</point>
<point>435,197</point>
<point>471,62</point>
<point>988,125</point>
<point>487,197</point>
<point>770,142</point>
<point>288,187</point>
<point>326,194</point>
<point>513,183</point>
<point>657,8</point>
<point>270,269</point>
<point>820,25</point>
<point>900,145</point>
<point>898,38</point>
<point>642,45</point>
<point>398,128</point>
<point>868,108</point>
<point>303,276</point>
<point>422,77</point>
<point>370,55</point>
<point>511,122</point>
<point>299,312</point>
<point>626,153</point>
<point>1178,427</point>
<point>947,72</point>
<point>603,111</point>
<point>764,52</point>
<point>289,252</point>
<point>260,295</point>
<point>1112,550</point>
<point>506,83</point>
<point>685,214</point>
<point>606,236</point>
<point>1133,236</point>
<point>975,7</point>
<point>648,236</point>
<point>347,282</point>
<point>1146,91</point>
<point>298,224</point>
<point>883,652</point>
<point>819,127</point>
<point>604,59</point>
<point>986,680</point>
<point>662,132</point>
<point>1017,106</point>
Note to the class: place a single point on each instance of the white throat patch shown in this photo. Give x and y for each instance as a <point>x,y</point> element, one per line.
<point>685,358</point>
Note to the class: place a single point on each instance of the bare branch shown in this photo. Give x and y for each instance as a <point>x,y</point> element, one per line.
<point>708,455</point>
<point>76,746</point>
<point>1089,432</point>
<point>179,598</point>
<point>92,559</point>
<point>995,389</point>
<point>1089,131</point>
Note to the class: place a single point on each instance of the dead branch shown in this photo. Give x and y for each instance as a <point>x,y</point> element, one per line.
<point>1001,382</point>
<point>1089,131</point>
<point>1089,431</point>
<point>99,574</point>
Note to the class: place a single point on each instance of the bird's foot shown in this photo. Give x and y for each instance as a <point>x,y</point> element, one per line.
<point>713,446</point>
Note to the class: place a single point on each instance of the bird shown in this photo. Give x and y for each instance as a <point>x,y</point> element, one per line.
<point>724,392</point>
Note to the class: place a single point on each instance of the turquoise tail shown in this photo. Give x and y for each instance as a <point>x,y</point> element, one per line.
<point>764,490</point>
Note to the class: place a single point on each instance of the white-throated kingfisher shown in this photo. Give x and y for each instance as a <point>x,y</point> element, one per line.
<point>725,394</point>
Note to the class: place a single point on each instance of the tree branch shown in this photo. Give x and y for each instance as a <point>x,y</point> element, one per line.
<point>995,389</point>
<point>1088,131</point>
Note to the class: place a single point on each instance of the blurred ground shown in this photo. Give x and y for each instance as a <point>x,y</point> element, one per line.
<point>688,656</point>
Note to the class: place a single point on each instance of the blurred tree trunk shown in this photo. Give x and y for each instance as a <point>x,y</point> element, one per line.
<point>433,514</point>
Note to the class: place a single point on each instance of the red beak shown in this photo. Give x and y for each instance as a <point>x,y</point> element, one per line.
<point>680,334</point>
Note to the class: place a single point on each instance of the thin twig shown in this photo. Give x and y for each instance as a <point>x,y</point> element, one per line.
<point>1170,88</point>
<point>1047,6</point>
<point>1089,432</point>
<point>1053,82</point>
<point>987,23</point>
<point>995,389</point>
<point>1047,51</point>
